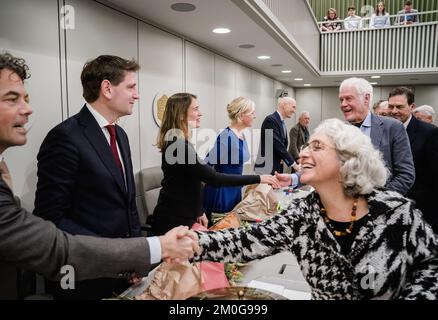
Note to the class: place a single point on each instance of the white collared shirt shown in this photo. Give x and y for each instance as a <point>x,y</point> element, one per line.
<point>406,123</point>
<point>102,122</point>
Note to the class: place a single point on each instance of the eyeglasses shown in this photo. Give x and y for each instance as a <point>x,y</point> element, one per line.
<point>315,146</point>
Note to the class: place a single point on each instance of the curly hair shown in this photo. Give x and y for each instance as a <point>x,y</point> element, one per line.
<point>363,168</point>
<point>17,65</point>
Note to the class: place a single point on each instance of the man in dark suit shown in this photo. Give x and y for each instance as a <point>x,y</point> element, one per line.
<point>423,138</point>
<point>387,135</point>
<point>85,176</point>
<point>34,244</point>
<point>299,134</point>
<point>273,141</point>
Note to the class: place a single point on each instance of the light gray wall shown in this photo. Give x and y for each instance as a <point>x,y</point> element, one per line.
<point>169,65</point>
<point>31,31</point>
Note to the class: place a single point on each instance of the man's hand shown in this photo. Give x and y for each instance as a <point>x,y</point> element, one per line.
<point>179,244</point>
<point>284,179</point>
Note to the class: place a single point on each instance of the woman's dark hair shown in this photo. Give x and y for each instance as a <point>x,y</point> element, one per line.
<point>175,117</point>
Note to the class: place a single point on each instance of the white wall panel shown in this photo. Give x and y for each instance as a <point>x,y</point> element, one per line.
<point>31,31</point>
<point>310,100</point>
<point>331,107</point>
<point>225,89</point>
<point>243,82</point>
<point>161,60</point>
<point>262,89</point>
<point>200,81</point>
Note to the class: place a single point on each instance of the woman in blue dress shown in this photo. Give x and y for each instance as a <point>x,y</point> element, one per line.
<point>228,155</point>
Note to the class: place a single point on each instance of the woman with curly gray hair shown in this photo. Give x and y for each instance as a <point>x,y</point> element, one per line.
<point>352,239</point>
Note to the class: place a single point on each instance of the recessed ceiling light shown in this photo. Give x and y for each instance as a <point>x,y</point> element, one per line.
<point>263,57</point>
<point>375,77</point>
<point>276,65</point>
<point>183,7</point>
<point>373,83</point>
<point>286,71</point>
<point>221,30</point>
<point>298,79</point>
<point>247,46</point>
<point>307,85</point>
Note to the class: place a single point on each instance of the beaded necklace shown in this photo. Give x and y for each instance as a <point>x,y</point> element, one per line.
<point>341,233</point>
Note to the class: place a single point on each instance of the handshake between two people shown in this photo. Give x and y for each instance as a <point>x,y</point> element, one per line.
<point>279,180</point>
<point>179,244</point>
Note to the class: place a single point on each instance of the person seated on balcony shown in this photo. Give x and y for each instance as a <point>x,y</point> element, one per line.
<point>408,15</point>
<point>425,113</point>
<point>333,22</point>
<point>352,239</point>
<point>380,18</point>
<point>352,22</point>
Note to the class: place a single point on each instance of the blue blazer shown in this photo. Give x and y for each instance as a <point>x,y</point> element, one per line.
<point>80,188</point>
<point>274,149</point>
<point>424,144</point>
<point>389,136</point>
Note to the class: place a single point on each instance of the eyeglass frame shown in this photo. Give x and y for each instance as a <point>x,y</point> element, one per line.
<point>322,146</point>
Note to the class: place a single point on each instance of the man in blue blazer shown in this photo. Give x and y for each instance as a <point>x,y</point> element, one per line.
<point>85,176</point>
<point>423,138</point>
<point>273,141</point>
<point>387,135</point>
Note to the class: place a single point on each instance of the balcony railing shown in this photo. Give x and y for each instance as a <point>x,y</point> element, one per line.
<point>397,48</point>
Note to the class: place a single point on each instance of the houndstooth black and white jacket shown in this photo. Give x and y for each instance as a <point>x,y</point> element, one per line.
<point>394,255</point>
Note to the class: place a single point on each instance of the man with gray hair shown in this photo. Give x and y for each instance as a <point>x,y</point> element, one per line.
<point>387,135</point>
<point>425,113</point>
<point>299,134</point>
<point>381,108</point>
<point>273,142</point>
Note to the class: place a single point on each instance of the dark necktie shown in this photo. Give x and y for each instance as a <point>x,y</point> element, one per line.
<point>113,143</point>
<point>284,128</point>
<point>5,174</point>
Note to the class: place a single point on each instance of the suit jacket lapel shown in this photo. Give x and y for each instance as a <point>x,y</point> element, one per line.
<point>411,129</point>
<point>97,139</point>
<point>376,134</point>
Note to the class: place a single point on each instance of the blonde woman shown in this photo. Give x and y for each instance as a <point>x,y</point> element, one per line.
<point>179,202</point>
<point>228,155</point>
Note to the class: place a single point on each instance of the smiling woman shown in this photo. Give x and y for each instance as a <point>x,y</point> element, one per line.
<point>352,239</point>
